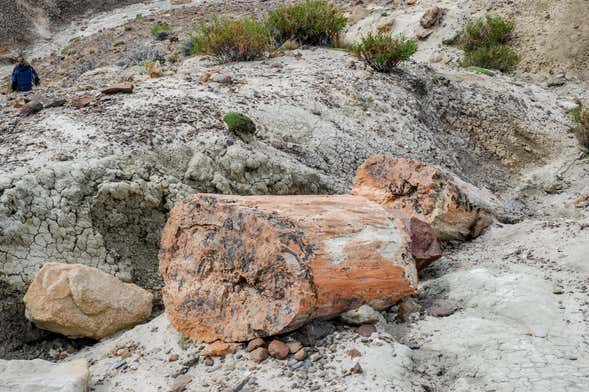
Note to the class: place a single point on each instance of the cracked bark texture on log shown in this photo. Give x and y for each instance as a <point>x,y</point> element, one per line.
<point>237,267</point>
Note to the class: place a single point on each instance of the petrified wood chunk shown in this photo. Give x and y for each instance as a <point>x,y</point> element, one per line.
<point>237,268</point>
<point>454,208</point>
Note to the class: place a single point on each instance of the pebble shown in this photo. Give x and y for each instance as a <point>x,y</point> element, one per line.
<point>173,357</point>
<point>119,364</point>
<point>441,308</point>
<point>315,357</point>
<point>294,346</point>
<point>259,354</point>
<point>300,355</point>
<point>366,330</point>
<point>208,361</point>
<point>123,353</point>
<point>181,384</point>
<point>254,344</point>
<point>278,349</point>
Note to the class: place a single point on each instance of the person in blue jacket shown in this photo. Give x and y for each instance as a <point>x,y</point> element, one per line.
<point>24,76</point>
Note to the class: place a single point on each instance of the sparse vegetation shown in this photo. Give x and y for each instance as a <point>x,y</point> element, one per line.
<point>239,123</point>
<point>485,42</point>
<point>174,58</point>
<point>118,42</point>
<point>230,39</point>
<point>383,52</point>
<point>146,53</point>
<point>580,116</point>
<point>161,28</point>
<point>313,22</point>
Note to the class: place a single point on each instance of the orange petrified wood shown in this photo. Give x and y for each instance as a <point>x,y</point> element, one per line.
<point>454,208</point>
<point>236,267</point>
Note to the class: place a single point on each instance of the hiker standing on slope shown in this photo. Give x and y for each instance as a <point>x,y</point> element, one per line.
<point>24,76</point>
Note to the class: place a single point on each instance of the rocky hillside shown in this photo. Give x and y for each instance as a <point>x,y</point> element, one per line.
<point>23,22</point>
<point>91,177</point>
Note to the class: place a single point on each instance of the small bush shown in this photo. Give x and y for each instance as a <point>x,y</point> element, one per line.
<point>161,28</point>
<point>146,53</point>
<point>239,123</point>
<point>174,58</point>
<point>383,52</point>
<point>314,22</point>
<point>485,44</point>
<point>500,57</point>
<point>581,118</point>
<point>486,32</point>
<point>229,39</point>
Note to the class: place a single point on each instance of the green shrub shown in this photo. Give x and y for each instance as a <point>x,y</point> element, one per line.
<point>313,22</point>
<point>486,32</point>
<point>174,58</point>
<point>383,52</point>
<point>581,117</point>
<point>159,28</point>
<point>485,42</point>
<point>501,57</point>
<point>229,39</point>
<point>239,123</point>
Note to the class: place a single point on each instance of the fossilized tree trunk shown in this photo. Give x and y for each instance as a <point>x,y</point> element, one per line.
<point>455,209</point>
<point>240,267</point>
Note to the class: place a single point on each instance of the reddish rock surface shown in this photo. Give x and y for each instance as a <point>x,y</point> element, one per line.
<point>366,330</point>
<point>278,349</point>
<point>454,208</point>
<point>236,268</point>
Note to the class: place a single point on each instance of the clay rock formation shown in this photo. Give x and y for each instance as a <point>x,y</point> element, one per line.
<point>237,268</point>
<point>43,376</point>
<point>81,301</point>
<point>454,208</point>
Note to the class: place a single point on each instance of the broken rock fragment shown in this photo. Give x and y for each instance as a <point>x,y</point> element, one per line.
<point>80,301</point>
<point>363,315</point>
<point>431,17</point>
<point>455,209</point>
<point>120,88</point>
<point>236,268</point>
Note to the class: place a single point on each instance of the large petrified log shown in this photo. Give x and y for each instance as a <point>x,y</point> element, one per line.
<point>237,268</point>
<point>454,208</point>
